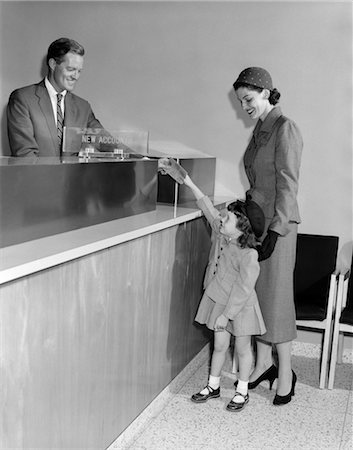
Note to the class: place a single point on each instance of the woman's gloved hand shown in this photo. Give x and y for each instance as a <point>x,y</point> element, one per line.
<point>268,245</point>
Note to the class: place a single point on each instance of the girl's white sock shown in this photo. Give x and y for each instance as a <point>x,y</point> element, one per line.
<point>242,388</point>
<point>213,382</point>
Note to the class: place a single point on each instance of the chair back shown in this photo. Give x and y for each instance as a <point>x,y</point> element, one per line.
<point>347,313</point>
<point>315,262</point>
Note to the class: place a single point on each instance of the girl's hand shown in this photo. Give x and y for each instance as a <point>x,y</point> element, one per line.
<point>221,323</point>
<point>172,168</point>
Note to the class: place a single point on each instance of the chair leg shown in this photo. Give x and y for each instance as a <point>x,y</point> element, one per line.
<point>234,362</point>
<point>336,339</point>
<point>331,378</point>
<point>340,348</point>
<point>324,359</point>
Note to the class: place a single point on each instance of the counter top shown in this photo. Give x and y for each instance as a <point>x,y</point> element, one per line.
<point>29,257</point>
<point>56,160</point>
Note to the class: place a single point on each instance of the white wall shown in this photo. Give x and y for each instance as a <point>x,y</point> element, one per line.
<point>169,67</point>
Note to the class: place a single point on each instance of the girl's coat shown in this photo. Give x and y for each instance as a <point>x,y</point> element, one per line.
<point>231,276</point>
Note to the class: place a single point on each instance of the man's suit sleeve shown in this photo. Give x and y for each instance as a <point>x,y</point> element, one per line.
<point>20,127</point>
<point>92,121</point>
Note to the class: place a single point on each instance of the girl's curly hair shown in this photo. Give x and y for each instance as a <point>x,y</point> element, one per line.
<point>247,238</point>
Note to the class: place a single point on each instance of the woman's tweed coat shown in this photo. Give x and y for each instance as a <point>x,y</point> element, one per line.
<point>272,162</point>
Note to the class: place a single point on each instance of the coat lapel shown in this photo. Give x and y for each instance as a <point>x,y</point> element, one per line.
<point>47,110</point>
<point>252,149</point>
<point>261,135</point>
<point>263,130</point>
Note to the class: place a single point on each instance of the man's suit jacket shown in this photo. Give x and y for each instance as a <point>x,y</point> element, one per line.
<point>31,123</point>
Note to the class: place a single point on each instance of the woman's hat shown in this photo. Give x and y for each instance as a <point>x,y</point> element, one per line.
<point>256,76</point>
<point>253,212</point>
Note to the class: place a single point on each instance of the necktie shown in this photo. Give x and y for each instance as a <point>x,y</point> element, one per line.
<point>60,121</point>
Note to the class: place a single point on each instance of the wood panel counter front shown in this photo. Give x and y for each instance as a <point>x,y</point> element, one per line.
<point>95,323</point>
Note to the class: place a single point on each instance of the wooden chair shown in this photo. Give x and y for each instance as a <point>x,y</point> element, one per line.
<point>343,322</point>
<point>315,288</point>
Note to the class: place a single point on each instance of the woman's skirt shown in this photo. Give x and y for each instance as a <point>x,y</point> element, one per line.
<point>275,290</point>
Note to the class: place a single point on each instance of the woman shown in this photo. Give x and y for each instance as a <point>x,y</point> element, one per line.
<point>272,161</point>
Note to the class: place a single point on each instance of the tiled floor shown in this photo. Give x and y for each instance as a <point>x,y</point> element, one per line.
<point>315,419</point>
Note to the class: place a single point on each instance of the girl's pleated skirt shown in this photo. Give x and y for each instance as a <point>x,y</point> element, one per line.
<point>248,322</point>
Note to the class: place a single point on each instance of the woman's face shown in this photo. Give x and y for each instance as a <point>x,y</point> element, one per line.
<point>255,103</point>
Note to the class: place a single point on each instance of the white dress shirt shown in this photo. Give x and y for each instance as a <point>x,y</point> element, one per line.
<point>53,98</point>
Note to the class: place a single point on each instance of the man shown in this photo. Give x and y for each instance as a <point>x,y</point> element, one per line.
<point>35,114</point>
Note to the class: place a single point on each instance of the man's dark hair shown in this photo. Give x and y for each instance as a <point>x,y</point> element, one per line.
<point>58,49</point>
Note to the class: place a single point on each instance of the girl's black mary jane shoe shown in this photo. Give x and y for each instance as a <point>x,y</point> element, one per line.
<point>201,398</point>
<point>235,406</point>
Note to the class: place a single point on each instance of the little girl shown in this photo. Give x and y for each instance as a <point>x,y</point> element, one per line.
<point>229,305</point>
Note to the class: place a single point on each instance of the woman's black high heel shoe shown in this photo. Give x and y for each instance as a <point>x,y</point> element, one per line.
<point>270,374</point>
<point>284,399</point>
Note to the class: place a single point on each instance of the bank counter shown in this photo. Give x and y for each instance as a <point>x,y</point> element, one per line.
<point>99,285</point>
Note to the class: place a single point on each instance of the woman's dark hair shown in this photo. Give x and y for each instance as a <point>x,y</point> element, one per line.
<point>58,49</point>
<point>274,93</point>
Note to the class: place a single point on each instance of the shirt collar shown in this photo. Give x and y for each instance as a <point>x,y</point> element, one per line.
<point>51,90</point>
<point>229,241</point>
